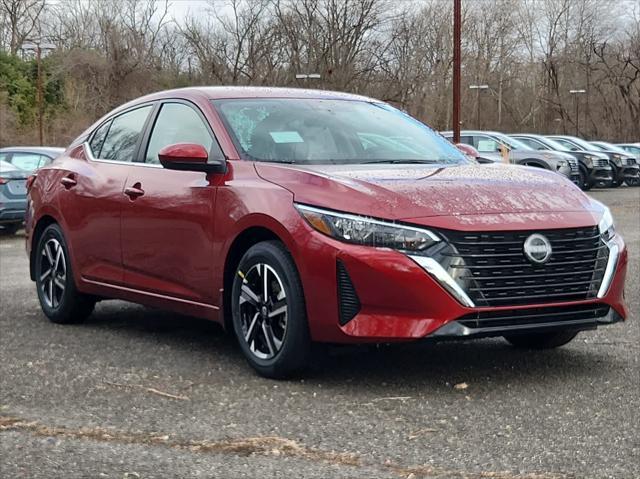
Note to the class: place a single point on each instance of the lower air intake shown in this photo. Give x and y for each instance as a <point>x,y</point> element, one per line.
<point>348,301</point>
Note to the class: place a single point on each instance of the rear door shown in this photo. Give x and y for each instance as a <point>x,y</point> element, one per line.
<point>167,223</point>
<point>93,198</point>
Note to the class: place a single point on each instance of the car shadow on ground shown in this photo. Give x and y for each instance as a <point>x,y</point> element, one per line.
<point>442,363</point>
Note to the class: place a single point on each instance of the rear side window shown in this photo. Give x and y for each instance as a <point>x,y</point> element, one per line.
<point>179,123</point>
<point>98,139</point>
<point>123,135</point>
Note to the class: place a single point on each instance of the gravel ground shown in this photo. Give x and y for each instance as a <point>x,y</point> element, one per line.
<point>140,393</point>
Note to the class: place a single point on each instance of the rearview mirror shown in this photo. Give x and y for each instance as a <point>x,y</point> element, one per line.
<point>189,157</point>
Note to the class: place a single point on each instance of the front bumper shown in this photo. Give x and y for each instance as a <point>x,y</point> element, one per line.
<point>600,174</point>
<point>399,300</point>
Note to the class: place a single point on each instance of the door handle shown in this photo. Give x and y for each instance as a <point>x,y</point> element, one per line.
<point>134,191</point>
<point>69,181</point>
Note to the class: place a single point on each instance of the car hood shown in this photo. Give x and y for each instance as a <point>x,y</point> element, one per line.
<point>414,191</point>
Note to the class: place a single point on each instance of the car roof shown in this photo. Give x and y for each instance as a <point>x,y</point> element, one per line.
<point>235,92</point>
<point>45,150</point>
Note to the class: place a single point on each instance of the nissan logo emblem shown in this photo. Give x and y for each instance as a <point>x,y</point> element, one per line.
<point>537,248</point>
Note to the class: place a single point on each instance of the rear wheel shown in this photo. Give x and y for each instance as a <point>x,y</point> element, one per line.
<point>59,298</point>
<point>269,313</point>
<point>541,340</point>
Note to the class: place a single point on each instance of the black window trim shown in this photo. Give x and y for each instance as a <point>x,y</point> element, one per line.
<point>142,152</point>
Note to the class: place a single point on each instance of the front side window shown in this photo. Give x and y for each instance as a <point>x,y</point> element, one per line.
<point>314,131</point>
<point>178,123</point>
<point>532,143</point>
<point>123,135</point>
<point>27,161</point>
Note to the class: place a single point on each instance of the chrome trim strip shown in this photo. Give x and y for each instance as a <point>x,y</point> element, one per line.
<point>365,218</point>
<point>434,268</point>
<point>612,264</point>
<point>90,157</point>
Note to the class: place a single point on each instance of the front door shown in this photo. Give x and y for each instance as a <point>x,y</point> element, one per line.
<point>167,222</point>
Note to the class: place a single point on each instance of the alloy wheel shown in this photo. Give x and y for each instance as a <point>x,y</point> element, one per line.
<point>53,273</point>
<point>263,310</point>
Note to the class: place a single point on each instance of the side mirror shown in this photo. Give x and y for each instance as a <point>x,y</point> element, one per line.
<point>189,157</point>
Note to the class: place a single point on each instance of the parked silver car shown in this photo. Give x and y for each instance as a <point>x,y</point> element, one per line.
<point>13,197</point>
<point>488,145</point>
<point>30,158</point>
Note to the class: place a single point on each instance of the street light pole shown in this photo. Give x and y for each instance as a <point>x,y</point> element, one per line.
<point>575,94</point>
<point>477,88</point>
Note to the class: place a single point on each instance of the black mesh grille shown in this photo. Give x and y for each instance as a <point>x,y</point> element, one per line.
<point>535,316</point>
<point>575,169</point>
<point>348,302</point>
<point>600,162</point>
<point>493,270</point>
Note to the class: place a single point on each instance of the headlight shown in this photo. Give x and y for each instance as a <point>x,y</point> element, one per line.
<point>367,231</point>
<point>562,163</point>
<point>606,226</point>
<point>588,160</point>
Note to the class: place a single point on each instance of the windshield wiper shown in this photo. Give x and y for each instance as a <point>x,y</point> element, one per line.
<point>402,162</point>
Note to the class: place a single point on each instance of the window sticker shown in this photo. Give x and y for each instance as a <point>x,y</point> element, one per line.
<point>286,137</point>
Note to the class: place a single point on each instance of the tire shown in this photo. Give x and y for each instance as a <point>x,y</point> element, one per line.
<point>617,179</point>
<point>59,298</point>
<point>10,228</point>
<point>633,182</point>
<point>257,331</point>
<point>585,184</point>
<point>541,340</point>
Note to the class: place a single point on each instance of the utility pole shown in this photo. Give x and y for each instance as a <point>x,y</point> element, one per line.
<point>38,47</point>
<point>40,106</point>
<point>457,21</point>
<point>477,88</point>
<point>575,94</point>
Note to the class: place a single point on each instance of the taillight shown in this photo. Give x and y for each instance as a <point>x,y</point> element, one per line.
<point>3,180</point>
<point>30,181</point>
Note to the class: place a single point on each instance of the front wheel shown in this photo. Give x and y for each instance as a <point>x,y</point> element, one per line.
<point>633,182</point>
<point>269,313</point>
<point>585,184</point>
<point>541,340</point>
<point>59,298</point>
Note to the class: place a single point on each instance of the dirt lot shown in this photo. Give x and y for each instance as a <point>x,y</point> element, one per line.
<point>140,393</point>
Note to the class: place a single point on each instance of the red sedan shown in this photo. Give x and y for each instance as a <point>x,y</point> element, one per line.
<point>298,216</point>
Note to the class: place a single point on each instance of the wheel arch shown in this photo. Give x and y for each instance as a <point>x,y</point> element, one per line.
<point>41,225</point>
<point>244,240</point>
<point>534,163</point>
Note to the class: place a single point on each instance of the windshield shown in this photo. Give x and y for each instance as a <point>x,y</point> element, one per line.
<point>604,146</point>
<point>6,167</point>
<point>313,131</point>
<point>511,142</point>
<point>583,144</point>
<point>554,145</point>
